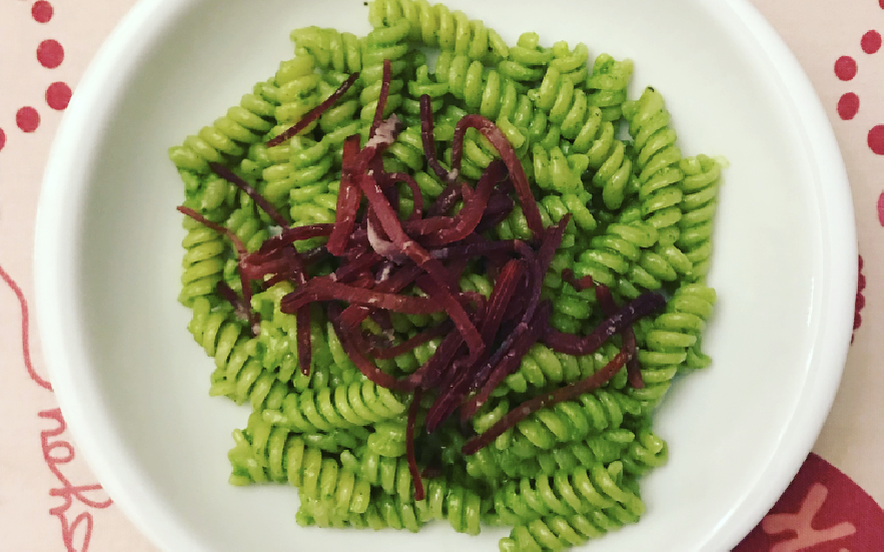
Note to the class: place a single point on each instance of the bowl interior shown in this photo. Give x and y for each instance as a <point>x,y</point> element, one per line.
<point>134,385</point>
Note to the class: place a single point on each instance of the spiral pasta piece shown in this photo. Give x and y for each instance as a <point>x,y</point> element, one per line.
<point>526,60</point>
<point>408,149</point>
<point>227,139</point>
<point>304,172</point>
<point>490,94</point>
<point>554,171</point>
<point>646,452</point>
<point>240,377</point>
<point>327,409</point>
<point>616,259</point>
<point>658,162</point>
<point>237,375</point>
<point>383,43</point>
<point>247,225</point>
<point>460,507</point>
<point>565,493</point>
<point>607,84</point>
<point>566,104</point>
<point>553,208</point>
<point>700,186</point>
<point>437,26</point>
<point>494,462</point>
<point>340,52</point>
<point>672,342</point>
<point>560,532</point>
<point>206,253</point>
<point>541,366</point>
<point>567,421</point>
<point>273,454</point>
<point>570,63</point>
<point>383,512</point>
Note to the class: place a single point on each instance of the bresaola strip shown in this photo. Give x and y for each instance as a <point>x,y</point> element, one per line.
<point>305,349</point>
<point>627,315</point>
<point>322,289</point>
<point>233,178</point>
<point>349,196</point>
<point>609,307</point>
<point>239,306</point>
<point>366,366</point>
<point>470,216</point>
<point>387,76</point>
<point>545,400</point>
<point>498,139</point>
<point>529,328</point>
<point>429,140</point>
<point>314,113</point>
<point>411,343</point>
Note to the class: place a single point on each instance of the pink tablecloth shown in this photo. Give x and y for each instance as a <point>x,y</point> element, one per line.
<point>49,500</point>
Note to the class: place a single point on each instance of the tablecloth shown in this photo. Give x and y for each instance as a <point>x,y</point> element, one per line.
<point>49,500</point>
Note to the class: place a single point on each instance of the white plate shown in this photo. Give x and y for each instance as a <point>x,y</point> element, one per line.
<point>133,385</point>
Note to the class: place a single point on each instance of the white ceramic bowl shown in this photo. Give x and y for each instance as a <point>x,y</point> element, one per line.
<point>133,385</point>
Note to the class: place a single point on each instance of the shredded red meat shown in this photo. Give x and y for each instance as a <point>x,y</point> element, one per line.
<point>383,263</point>
<point>545,400</point>
<point>609,307</point>
<point>314,113</point>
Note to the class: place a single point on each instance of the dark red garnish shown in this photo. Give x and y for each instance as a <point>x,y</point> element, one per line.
<point>382,99</point>
<point>231,177</point>
<point>429,139</point>
<point>314,113</point>
<point>498,139</point>
<point>377,262</point>
<point>545,400</point>
<point>579,285</point>
<point>349,197</point>
<point>411,343</point>
<point>305,350</point>
<point>639,307</point>
<point>609,307</point>
<point>240,308</point>
<point>324,289</point>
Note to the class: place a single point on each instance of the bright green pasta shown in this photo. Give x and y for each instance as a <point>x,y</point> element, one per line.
<point>641,219</point>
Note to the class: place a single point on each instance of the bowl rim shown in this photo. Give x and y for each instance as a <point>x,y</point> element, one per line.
<point>59,216</point>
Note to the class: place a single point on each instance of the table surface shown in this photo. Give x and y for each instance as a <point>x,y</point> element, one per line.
<point>49,500</point>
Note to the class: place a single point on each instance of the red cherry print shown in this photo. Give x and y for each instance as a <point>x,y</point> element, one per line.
<point>50,54</point>
<point>2,139</point>
<point>881,206</point>
<point>871,42</point>
<point>860,302</point>
<point>58,95</point>
<point>845,68</point>
<point>41,11</point>
<point>848,106</point>
<point>27,119</point>
<point>876,139</point>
